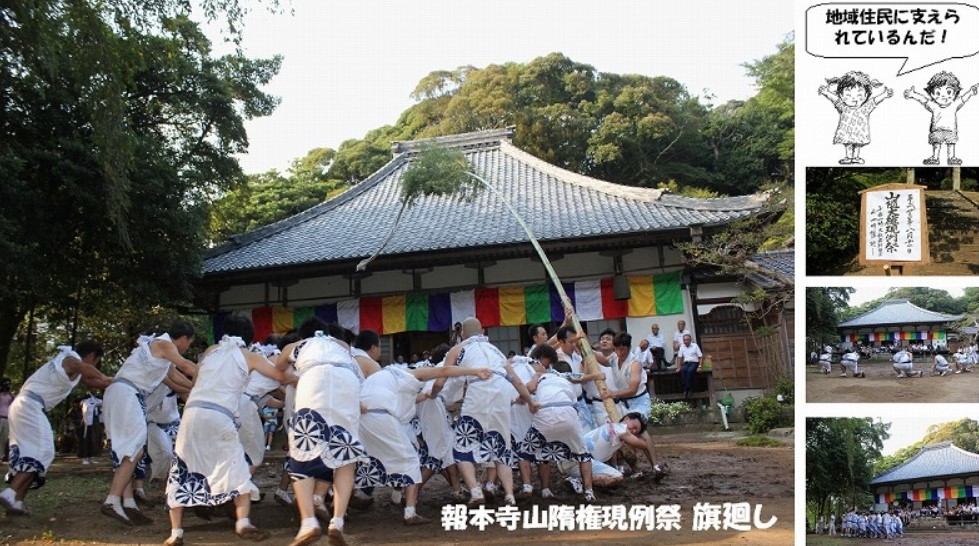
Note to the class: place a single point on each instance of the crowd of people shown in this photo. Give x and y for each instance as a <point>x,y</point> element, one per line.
<point>891,524</point>
<point>856,524</point>
<point>963,360</point>
<point>457,411</point>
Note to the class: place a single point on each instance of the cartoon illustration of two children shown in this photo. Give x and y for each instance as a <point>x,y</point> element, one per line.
<point>852,97</point>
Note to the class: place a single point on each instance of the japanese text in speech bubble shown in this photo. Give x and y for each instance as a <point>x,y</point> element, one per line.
<point>920,33</point>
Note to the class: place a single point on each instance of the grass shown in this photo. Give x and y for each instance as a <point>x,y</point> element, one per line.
<point>759,441</point>
<point>67,490</point>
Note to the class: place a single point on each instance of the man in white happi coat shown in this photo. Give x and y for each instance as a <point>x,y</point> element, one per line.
<point>826,360</point>
<point>155,360</point>
<point>209,465</point>
<point>903,365</point>
<point>388,400</point>
<point>31,439</point>
<point>850,361</point>
<point>483,429</point>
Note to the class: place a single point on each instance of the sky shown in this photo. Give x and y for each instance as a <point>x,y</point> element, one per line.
<point>350,66</point>
<point>911,426</point>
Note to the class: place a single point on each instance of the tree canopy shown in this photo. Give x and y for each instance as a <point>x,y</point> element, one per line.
<point>840,453</point>
<point>932,299</point>
<point>824,305</point>
<point>964,433</point>
<point>118,127</point>
<point>625,128</point>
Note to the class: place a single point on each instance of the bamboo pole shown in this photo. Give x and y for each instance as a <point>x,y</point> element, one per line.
<point>591,364</point>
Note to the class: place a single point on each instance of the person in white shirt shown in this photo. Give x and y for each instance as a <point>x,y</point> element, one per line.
<point>31,439</point>
<point>941,366</point>
<point>962,362</point>
<point>690,357</point>
<point>538,337</point>
<point>826,360</point>
<point>657,347</point>
<point>903,365</point>
<point>681,330</point>
<point>850,361</point>
<point>91,431</point>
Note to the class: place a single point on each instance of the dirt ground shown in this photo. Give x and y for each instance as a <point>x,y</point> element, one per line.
<point>882,385</point>
<point>703,470</point>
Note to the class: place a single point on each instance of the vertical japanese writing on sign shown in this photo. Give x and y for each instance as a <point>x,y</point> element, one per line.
<point>893,224</point>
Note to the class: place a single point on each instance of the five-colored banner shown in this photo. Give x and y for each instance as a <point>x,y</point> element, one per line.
<point>505,306</point>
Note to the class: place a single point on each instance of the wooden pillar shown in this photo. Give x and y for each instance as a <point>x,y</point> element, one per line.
<point>910,179</point>
<point>956,178</point>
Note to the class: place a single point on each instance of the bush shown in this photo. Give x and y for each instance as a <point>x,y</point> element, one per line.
<point>661,410</point>
<point>763,414</point>
<point>968,184</point>
<point>786,387</point>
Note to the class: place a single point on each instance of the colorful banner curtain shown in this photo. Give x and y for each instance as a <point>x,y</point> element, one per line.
<point>651,295</point>
<point>960,492</point>
<point>871,337</point>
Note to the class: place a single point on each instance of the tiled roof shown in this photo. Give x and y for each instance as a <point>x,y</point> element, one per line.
<point>558,205</point>
<point>780,261</point>
<point>896,312</point>
<point>944,459</point>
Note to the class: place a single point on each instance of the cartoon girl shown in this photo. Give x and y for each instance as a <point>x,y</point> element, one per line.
<point>851,96</point>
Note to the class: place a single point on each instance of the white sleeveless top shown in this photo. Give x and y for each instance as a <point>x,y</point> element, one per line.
<point>222,376</point>
<point>50,381</point>
<point>393,390</point>
<point>164,412</point>
<point>552,388</point>
<point>478,352</point>
<point>142,369</point>
<point>624,373</point>
<point>259,385</point>
<point>323,350</point>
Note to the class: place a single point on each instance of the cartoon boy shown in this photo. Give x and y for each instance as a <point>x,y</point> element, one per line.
<point>851,95</point>
<point>943,101</point>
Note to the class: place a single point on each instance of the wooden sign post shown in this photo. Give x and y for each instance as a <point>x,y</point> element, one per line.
<point>893,226</point>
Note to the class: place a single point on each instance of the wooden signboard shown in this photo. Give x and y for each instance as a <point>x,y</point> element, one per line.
<point>893,225</point>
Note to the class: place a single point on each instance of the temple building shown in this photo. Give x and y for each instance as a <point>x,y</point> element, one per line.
<point>612,246</point>
<point>940,474</point>
<point>900,322</point>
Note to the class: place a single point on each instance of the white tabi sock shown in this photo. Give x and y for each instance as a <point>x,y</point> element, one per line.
<point>176,533</point>
<point>242,524</point>
<point>337,523</point>
<point>116,504</point>
<point>476,492</point>
<point>317,500</point>
<point>307,524</point>
<point>409,511</point>
<point>129,503</point>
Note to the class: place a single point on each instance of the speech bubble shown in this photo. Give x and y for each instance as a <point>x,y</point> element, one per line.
<point>920,33</point>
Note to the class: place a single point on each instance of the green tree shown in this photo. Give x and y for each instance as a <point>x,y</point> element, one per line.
<point>118,127</point>
<point>839,461</point>
<point>964,433</point>
<point>269,197</point>
<point>823,307</point>
<point>631,129</point>
<point>932,299</point>
<point>833,215</point>
<point>753,141</point>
